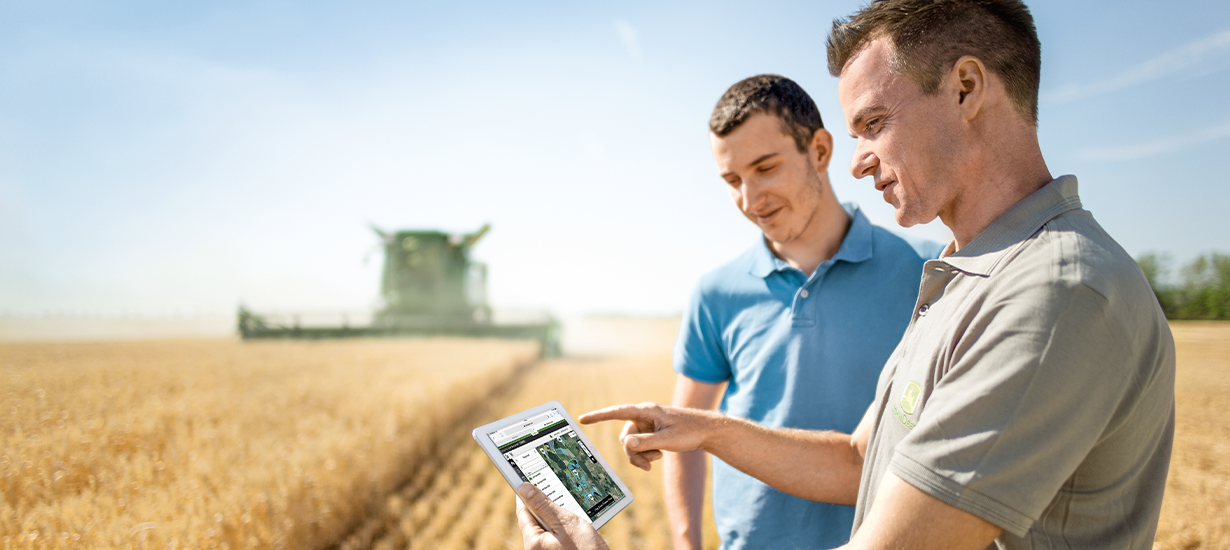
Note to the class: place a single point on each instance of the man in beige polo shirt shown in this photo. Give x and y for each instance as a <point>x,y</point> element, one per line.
<point>1030,403</point>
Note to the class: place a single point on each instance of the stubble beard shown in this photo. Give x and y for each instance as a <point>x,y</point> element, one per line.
<point>810,216</point>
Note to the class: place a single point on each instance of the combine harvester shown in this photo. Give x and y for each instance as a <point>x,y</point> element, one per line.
<point>430,287</point>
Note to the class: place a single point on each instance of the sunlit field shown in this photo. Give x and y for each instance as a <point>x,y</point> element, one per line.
<point>1196,509</point>
<point>220,443</point>
<point>462,502</point>
<point>366,444</point>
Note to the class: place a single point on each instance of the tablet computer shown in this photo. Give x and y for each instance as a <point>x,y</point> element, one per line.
<point>544,446</point>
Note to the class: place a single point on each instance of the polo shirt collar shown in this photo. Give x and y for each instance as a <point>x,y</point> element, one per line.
<point>763,260</point>
<point>855,247</point>
<point>981,255</point>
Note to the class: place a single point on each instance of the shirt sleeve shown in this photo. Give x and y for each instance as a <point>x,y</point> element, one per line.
<point>1031,386</point>
<point>699,353</point>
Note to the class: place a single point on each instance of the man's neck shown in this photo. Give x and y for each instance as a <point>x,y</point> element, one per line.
<point>820,240</point>
<point>997,179</point>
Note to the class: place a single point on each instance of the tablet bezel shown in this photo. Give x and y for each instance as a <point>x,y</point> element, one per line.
<point>514,480</point>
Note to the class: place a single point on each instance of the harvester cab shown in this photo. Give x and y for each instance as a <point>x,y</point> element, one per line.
<point>429,276</point>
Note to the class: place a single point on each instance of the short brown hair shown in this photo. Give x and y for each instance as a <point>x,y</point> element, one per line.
<point>929,36</point>
<point>772,94</point>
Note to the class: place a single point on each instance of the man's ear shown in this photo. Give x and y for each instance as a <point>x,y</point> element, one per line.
<point>821,149</point>
<point>968,80</point>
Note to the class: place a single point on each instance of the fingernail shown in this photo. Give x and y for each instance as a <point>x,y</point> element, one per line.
<point>634,442</point>
<point>525,490</point>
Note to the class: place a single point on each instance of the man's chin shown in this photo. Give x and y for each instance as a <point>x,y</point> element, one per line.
<point>777,237</point>
<point>904,219</point>
<point>911,219</point>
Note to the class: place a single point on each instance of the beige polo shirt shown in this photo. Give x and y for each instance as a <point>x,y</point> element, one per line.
<point>1034,386</point>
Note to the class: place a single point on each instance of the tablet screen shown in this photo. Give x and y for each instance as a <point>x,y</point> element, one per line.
<point>545,451</point>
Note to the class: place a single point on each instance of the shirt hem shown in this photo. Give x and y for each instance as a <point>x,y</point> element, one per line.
<point>700,377</point>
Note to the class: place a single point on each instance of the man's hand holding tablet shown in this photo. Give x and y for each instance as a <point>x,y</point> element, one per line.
<point>567,531</point>
<point>562,479</point>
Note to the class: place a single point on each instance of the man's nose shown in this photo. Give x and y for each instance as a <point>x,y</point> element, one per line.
<point>751,196</point>
<point>864,162</point>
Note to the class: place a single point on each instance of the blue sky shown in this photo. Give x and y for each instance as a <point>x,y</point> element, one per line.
<point>185,157</point>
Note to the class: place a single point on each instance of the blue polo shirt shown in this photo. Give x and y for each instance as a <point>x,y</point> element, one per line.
<point>799,352</point>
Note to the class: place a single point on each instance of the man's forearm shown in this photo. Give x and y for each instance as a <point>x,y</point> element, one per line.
<point>820,466</point>
<point>684,477</point>
<point>815,465</point>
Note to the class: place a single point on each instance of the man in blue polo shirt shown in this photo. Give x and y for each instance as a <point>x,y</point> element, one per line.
<point>794,332</point>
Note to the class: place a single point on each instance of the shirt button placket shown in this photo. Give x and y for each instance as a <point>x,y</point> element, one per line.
<point>801,311</point>
<point>932,283</point>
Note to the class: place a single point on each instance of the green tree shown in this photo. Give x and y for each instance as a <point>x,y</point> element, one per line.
<point>1156,268</point>
<point>1205,293</point>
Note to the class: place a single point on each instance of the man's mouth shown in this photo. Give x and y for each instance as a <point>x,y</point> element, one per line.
<point>765,216</point>
<point>884,187</point>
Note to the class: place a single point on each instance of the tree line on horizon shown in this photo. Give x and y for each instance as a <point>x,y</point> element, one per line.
<point>1201,292</point>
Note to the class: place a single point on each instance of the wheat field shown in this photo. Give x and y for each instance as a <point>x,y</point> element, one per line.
<point>462,502</point>
<point>366,444</point>
<point>1196,508</point>
<point>221,443</point>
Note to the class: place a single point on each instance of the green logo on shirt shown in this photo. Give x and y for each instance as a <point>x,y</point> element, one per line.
<point>909,400</point>
<point>902,418</point>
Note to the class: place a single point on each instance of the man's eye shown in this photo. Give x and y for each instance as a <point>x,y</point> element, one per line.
<point>872,125</point>
<point>765,169</point>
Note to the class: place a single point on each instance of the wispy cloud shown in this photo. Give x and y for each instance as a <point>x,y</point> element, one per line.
<point>1155,147</point>
<point>1178,59</point>
<point>628,36</point>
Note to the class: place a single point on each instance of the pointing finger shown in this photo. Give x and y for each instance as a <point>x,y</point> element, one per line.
<point>616,412</point>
